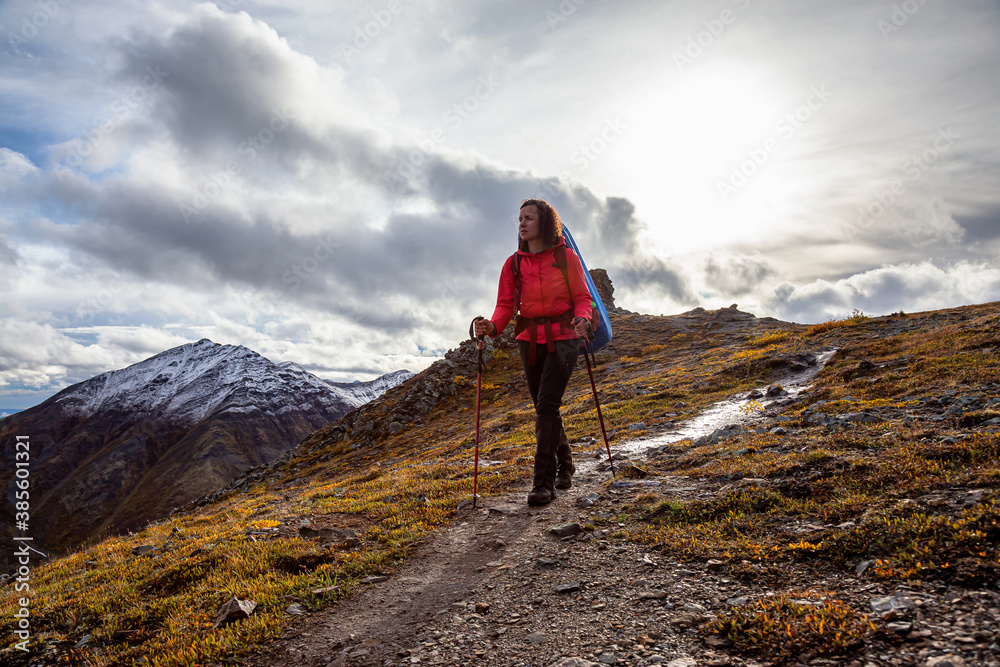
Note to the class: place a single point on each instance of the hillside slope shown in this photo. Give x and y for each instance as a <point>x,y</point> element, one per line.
<point>131,444</point>
<point>844,523</point>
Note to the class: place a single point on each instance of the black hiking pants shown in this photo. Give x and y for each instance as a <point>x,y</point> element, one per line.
<point>547,381</point>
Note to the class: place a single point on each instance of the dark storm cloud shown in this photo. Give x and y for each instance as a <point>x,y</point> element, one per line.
<point>617,228</point>
<point>222,79</point>
<point>477,219</point>
<point>653,272</point>
<point>229,89</point>
<point>422,256</point>
<point>8,256</point>
<point>381,319</point>
<point>736,276</point>
<point>136,228</point>
<point>980,228</point>
<point>453,253</point>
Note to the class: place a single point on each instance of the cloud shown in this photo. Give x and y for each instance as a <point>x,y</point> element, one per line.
<point>736,275</point>
<point>33,355</point>
<point>928,224</point>
<point>907,287</point>
<point>17,174</point>
<point>981,227</point>
<point>226,77</point>
<point>232,176</point>
<point>8,256</point>
<point>9,260</point>
<point>618,228</point>
<point>653,274</point>
<point>14,166</point>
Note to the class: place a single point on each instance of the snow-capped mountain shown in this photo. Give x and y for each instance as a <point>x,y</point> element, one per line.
<point>129,445</point>
<point>188,383</point>
<point>365,392</point>
<point>358,393</point>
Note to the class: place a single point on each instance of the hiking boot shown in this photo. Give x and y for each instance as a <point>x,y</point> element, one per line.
<point>564,477</point>
<point>541,495</point>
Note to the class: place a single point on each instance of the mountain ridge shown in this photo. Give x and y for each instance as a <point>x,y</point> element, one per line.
<point>132,443</point>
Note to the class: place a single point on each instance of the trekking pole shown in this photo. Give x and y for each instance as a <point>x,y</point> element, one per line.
<point>600,417</point>
<point>479,387</point>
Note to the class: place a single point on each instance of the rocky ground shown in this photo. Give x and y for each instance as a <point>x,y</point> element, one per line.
<point>510,585</point>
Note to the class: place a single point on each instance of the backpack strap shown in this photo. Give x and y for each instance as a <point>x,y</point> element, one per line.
<point>561,264</point>
<point>560,254</point>
<point>522,322</point>
<point>515,268</point>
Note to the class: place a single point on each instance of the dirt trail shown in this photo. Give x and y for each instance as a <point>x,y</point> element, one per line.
<point>501,555</point>
<point>496,587</point>
<point>623,605</point>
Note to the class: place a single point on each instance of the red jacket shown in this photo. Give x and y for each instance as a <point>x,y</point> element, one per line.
<point>544,292</point>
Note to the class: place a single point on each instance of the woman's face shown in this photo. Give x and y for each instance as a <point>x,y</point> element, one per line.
<point>528,222</point>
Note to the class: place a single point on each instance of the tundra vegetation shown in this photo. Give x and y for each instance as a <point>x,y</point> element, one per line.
<point>153,596</point>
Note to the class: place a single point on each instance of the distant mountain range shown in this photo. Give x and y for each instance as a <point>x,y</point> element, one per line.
<point>127,446</point>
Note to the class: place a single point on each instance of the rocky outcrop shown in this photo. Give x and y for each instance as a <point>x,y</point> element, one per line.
<point>604,287</point>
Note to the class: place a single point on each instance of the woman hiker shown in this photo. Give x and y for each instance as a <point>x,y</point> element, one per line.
<point>555,311</point>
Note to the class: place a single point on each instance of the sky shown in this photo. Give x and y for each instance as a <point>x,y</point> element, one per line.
<point>337,184</point>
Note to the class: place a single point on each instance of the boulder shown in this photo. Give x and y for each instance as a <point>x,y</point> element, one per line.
<point>234,610</point>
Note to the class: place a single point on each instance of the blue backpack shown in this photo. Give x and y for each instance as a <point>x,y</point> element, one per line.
<point>601,323</point>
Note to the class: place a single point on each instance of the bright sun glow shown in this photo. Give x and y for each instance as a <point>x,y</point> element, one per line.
<point>687,138</point>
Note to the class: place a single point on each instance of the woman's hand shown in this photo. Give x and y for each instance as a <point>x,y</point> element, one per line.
<point>581,326</point>
<point>484,326</point>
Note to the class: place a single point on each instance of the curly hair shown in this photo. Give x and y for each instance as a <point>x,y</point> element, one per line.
<point>549,224</point>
